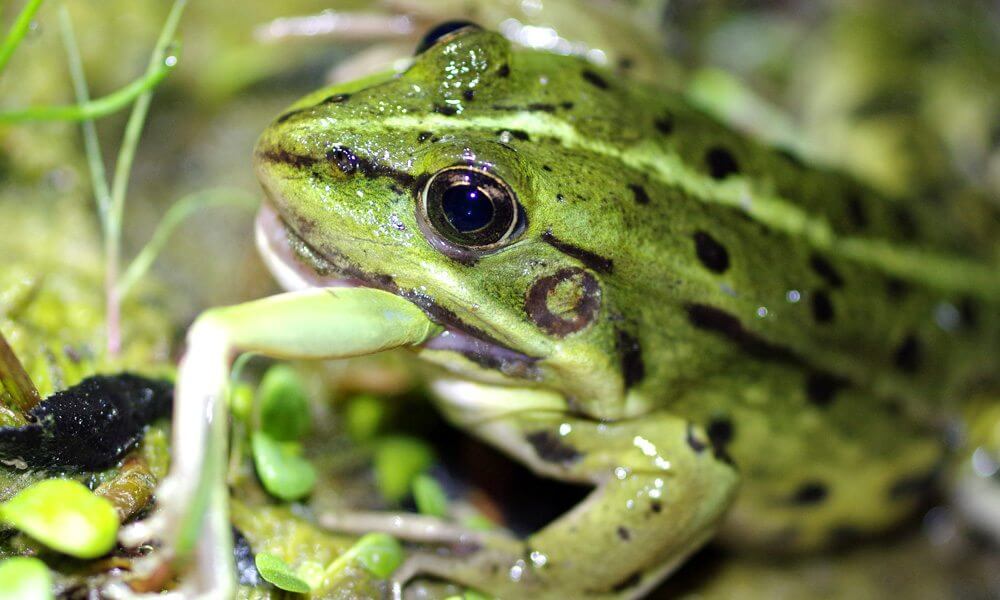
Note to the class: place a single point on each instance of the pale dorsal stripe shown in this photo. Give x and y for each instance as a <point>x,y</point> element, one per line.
<point>943,271</point>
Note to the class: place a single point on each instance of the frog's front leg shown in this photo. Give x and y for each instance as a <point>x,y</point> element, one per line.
<point>191,517</point>
<point>659,493</point>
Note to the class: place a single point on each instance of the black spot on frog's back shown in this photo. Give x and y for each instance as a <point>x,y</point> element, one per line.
<point>824,269</point>
<point>908,356</point>
<point>810,493</point>
<point>601,264</point>
<point>821,388</point>
<point>640,194</point>
<point>711,253</point>
<point>721,163</point>
<point>822,307</point>
<point>913,487</point>
<point>551,448</point>
<point>664,124</point>
<point>595,79</point>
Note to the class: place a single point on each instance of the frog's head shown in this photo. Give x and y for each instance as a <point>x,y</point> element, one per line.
<point>425,184</point>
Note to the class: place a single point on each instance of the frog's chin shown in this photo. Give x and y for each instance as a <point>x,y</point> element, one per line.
<point>293,274</point>
<point>279,257</point>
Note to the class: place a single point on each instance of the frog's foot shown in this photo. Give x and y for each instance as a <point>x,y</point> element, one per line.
<point>660,491</point>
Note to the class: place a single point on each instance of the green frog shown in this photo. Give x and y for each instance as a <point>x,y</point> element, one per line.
<point>616,291</point>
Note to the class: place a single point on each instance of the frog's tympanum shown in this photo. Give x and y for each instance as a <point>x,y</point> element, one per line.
<point>624,293</point>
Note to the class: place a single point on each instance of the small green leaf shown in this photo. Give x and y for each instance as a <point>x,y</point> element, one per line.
<point>380,553</point>
<point>65,516</point>
<point>429,497</point>
<point>25,578</point>
<point>398,459</point>
<point>281,468</point>
<point>363,416</point>
<point>274,570</point>
<point>284,404</point>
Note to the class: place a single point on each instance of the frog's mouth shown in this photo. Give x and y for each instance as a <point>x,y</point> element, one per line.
<point>297,266</point>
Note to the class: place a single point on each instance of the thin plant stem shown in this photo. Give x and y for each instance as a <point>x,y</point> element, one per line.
<point>17,31</point>
<point>119,183</point>
<point>178,212</point>
<point>92,147</point>
<point>92,109</point>
<point>16,381</point>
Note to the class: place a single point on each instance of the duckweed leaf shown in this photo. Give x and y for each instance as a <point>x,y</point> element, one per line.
<point>274,570</point>
<point>429,497</point>
<point>25,578</point>
<point>398,459</point>
<point>281,468</point>
<point>363,416</point>
<point>65,516</point>
<point>284,405</point>
<point>312,573</point>
<point>380,553</point>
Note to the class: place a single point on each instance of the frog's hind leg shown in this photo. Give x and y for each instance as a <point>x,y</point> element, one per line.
<point>825,462</point>
<point>659,493</point>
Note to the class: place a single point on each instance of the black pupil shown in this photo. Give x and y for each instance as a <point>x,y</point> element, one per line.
<point>467,208</point>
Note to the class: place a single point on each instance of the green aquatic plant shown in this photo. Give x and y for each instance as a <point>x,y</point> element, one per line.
<point>65,516</point>
<point>25,578</point>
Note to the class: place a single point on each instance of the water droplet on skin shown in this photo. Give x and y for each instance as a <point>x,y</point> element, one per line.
<point>947,316</point>
<point>517,571</point>
<point>531,7</point>
<point>983,464</point>
<point>538,559</point>
<point>939,525</point>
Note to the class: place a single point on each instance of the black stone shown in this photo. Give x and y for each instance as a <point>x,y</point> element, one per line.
<point>89,426</point>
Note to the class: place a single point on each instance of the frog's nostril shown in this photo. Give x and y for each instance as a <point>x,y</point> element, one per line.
<point>446,30</point>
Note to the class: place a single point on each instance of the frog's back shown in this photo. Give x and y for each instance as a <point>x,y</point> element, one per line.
<point>815,328</point>
<point>722,250</point>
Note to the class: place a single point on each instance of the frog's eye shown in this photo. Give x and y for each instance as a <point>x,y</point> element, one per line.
<point>470,208</point>
<point>444,31</point>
